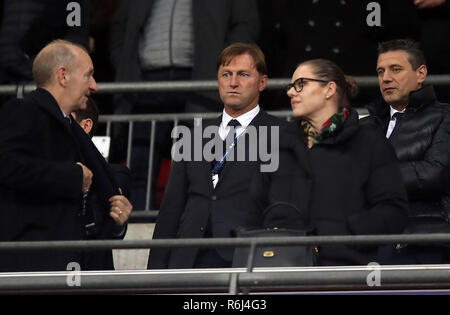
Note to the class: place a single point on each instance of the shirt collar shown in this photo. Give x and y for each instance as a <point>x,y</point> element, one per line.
<point>393,111</point>
<point>66,116</point>
<point>244,119</point>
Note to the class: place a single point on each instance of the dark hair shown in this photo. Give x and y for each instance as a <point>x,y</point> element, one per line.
<point>237,49</point>
<point>91,111</point>
<point>416,56</point>
<point>329,71</point>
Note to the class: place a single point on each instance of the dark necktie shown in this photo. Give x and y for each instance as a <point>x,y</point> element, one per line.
<point>398,118</point>
<point>68,121</point>
<point>217,166</point>
<point>397,115</point>
<point>232,133</point>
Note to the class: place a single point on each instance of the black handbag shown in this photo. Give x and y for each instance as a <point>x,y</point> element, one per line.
<point>280,219</point>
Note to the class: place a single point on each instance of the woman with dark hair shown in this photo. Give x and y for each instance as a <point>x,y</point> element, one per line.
<point>341,173</point>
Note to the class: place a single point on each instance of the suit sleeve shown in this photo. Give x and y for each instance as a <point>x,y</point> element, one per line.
<point>170,212</point>
<point>20,169</point>
<point>428,176</point>
<point>387,203</point>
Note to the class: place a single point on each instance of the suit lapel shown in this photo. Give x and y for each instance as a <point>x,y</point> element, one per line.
<point>104,179</point>
<point>229,166</point>
<point>48,103</point>
<point>205,168</point>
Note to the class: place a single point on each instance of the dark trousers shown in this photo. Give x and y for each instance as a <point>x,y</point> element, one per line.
<point>209,258</point>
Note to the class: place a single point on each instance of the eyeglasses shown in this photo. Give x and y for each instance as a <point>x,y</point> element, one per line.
<point>300,83</point>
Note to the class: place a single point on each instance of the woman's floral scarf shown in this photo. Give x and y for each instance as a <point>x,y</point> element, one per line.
<point>328,129</point>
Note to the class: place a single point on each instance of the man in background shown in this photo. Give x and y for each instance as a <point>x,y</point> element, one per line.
<point>418,127</point>
<point>105,227</point>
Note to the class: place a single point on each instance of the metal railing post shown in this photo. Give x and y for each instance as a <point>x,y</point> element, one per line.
<point>150,166</point>
<point>20,91</point>
<point>130,142</point>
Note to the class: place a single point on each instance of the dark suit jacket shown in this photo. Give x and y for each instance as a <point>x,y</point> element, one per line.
<point>105,227</point>
<point>40,184</point>
<point>191,204</point>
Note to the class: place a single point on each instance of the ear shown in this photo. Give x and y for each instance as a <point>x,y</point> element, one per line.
<point>62,76</point>
<point>330,90</point>
<point>263,79</point>
<point>87,124</point>
<point>421,73</point>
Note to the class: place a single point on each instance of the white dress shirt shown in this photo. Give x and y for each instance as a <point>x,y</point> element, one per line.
<point>244,120</point>
<point>392,121</point>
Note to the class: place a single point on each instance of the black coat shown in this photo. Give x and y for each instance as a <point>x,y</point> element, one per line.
<point>191,204</point>
<point>421,141</point>
<point>105,228</point>
<point>40,184</point>
<point>349,184</point>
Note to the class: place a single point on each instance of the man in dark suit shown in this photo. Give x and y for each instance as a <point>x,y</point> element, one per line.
<point>87,118</point>
<point>207,199</point>
<point>49,165</point>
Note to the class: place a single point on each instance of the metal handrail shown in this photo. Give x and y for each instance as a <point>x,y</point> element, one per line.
<point>228,242</point>
<point>230,280</point>
<point>312,279</point>
<point>198,85</point>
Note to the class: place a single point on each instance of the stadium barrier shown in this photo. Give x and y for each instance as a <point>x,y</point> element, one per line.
<point>372,277</point>
<point>199,85</point>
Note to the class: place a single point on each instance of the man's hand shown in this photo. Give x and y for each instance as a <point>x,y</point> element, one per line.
<point>87,178</point>
<point>426,4</point>
<point>120,209</point>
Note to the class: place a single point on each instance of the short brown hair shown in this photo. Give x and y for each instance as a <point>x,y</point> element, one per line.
<point>237,49</point>
<point>55,54</point>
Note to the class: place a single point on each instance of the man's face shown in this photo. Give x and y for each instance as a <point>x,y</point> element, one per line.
<point>397,78</point>
<point>240,84</point>
<point>81,80</point>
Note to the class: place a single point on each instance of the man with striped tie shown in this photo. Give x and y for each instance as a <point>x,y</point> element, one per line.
<point>205,199</point>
